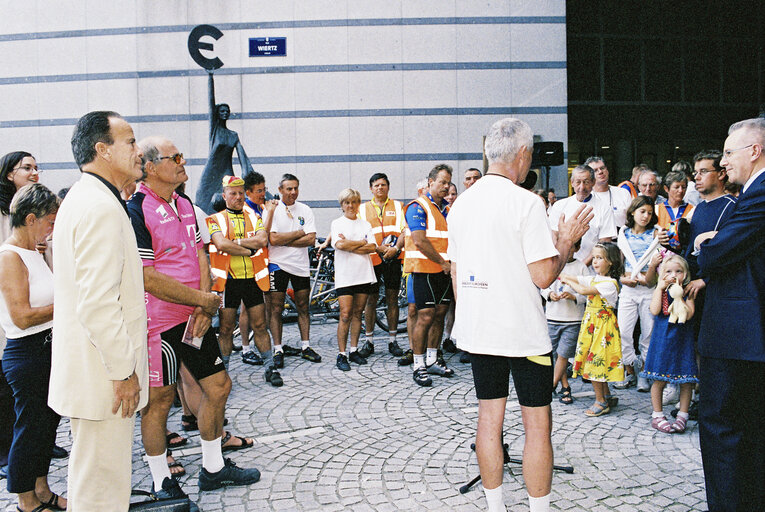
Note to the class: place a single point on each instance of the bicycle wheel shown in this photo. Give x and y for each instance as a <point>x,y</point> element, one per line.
<point>381,311</point>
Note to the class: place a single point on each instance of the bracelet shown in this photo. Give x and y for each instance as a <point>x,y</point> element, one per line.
<point>238,241</point>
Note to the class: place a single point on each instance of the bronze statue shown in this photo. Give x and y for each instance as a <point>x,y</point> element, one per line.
<point>223,142</point>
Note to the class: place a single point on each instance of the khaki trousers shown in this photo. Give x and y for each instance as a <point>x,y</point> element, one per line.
<point>100,465</point>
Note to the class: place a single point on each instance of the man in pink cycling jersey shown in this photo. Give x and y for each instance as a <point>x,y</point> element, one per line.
<point>179,307</point>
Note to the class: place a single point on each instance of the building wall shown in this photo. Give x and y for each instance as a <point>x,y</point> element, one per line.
<point>366,86</point>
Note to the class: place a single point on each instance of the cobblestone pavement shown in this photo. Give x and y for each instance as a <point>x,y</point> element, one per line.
<point>372,440</point>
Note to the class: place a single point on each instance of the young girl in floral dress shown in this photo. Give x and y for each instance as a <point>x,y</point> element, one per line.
<point>599,349</point>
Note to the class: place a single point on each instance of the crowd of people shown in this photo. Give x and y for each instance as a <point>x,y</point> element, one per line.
<point>607,284</point>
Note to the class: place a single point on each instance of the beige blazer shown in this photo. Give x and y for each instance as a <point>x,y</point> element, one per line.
<point>99,312</point>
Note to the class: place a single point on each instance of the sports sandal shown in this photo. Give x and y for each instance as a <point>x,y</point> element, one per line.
<point>245,443</point>
<point>598,409</point>
<point>662,425</point>
<point>612,400</point>
<point>52,503</point>
<point>38,509</point>
<point>565,396</point>
<point>174,464</point>
<point>679,424</point>
<point>179,440</point>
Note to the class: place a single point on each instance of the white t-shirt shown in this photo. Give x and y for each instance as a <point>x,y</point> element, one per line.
<point>619,200</point>
<point>606,286</point>
<point>496,229</point>
<point>352,268</point>
<point>566,310</point>
<point>602,224</point>
<point>201,217</point>
<point>291,218</point>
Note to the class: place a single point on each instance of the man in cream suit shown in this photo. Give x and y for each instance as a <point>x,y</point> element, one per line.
<point>99,374</point>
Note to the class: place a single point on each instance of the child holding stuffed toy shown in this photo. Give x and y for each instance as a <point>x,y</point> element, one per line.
<point>671,356</point>
<point>599,349</point>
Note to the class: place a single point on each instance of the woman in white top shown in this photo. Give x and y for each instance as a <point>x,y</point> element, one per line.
<point>354,241</point>
<point>26,315</point>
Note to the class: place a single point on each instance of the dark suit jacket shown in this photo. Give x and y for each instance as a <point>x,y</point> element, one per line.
<point>733,322</point>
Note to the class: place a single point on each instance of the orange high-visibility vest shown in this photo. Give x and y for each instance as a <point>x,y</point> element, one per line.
<point>667,222</point>
<point>436,231</point>
<point>387,222</point>
<point>220,261</point>
<point>631,187</point>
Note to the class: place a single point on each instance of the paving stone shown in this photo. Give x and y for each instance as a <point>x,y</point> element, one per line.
<point>385,444</point>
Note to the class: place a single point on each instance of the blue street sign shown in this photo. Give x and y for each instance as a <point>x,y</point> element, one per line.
<point>268,46</point>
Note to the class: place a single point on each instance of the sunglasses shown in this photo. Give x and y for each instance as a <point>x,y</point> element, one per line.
<point>177,158</point>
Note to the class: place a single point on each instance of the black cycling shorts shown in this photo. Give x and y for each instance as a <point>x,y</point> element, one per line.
<point>388,273</point>
<point>532,380</point>
<point>281,279</point>
<point>366,288</point>
<point>430,290</point>
<point>242,290</point>
<point>201,362</point>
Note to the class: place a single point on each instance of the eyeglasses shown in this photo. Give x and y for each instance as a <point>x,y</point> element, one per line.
<point>727,152</point>
<point>702,172</point>
<point>177,158</point>
<point>28,168</point>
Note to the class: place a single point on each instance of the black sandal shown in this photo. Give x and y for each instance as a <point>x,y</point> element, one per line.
<point>234,447</point>
<point>565,396</point>
<point>189,423</point>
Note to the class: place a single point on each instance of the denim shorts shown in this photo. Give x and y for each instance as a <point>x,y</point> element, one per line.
<point>564,336</point>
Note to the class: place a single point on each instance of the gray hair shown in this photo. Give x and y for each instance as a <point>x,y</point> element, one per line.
<point>674,176</point>
<point>593,159</point>
<point>584,168</point>
<point>34,198</point>
<point>422,184</point>
<point>756,126</point>
<point>150,150</point>
<point>506,138</point>
<point>648,171</point>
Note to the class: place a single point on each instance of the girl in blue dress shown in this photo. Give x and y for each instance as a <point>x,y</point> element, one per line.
<point>671,356</point>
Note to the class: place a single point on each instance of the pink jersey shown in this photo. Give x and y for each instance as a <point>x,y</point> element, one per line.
<point>168,239</point>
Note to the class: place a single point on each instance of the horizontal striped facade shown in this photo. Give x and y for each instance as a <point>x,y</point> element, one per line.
<point>365,87</point>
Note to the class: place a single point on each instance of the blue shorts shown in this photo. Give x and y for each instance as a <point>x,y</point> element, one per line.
<point>564,336</point>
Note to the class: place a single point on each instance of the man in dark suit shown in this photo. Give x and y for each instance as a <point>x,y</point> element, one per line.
<point>732,338</point>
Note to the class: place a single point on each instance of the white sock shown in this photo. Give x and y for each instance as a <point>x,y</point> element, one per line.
<point>369,336</point>
<point>657,414</point>
<point>278,348</point>
<point>541,504</point>
<point>251,348</point>
<point>354,349</point>
<point>392,337</point>
<point>212,455</point>
<point>419,361</point>
<point>494,499</point>
<point>432,354</point>
<point>682,414</point>
<point>159,469</point>
<point>306,344</point>
<point>344,354</point>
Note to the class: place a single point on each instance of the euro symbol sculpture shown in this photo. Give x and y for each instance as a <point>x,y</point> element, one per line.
<point>223,141</point>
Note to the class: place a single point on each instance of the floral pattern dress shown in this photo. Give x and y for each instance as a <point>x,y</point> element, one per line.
<point>599,348</point>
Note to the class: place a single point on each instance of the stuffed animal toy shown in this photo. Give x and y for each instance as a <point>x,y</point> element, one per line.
<point>678,311</point>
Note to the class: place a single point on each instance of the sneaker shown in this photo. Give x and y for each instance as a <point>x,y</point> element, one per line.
<point>250,357</point>
<point>172,490</point>
<point>273,377</point>
<point>671,395</point>
<point>420,376</point>
<point>229,475</point>
<point>342,363</point>
<point>366,350</point>
<point>394,349</point>
<point>356,357</point>
<point>439,368</point>
<point>449,346</point>
<point>310,354</point>
<point>278,359</point>
<point>629,381</point>
<point>643,385</point>
<point>464,357</point>
<point>291,351</point>
<point>407,359</point>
